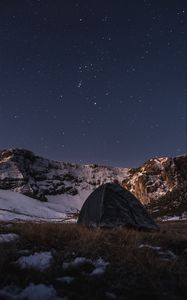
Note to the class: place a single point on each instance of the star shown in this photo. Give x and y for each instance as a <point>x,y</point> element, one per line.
<point>80,72</point>
<point>61,99</point>
<point>79,85</point>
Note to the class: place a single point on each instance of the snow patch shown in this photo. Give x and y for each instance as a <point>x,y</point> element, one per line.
<point>8,237</point>
<point>76,263</point>
<point>65,279</point>
<point>15,206</point>
<point>100,267</point>
<point>150,247</point>
<point>98,264</point>
<point>32,292</point>
<point>39,261</point>
<point>173,218</point>
<point>166,255</point>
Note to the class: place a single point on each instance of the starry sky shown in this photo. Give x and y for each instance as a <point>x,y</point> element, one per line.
<point>93,81</point>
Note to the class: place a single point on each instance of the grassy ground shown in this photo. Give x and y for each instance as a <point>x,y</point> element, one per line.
<point>132,273</point>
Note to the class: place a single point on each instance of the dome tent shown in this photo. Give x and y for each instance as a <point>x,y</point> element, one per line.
<point>111,205</point>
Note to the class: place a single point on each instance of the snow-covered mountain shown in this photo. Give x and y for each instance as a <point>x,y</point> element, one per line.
<point>160,184</point>
<point>63,185</point>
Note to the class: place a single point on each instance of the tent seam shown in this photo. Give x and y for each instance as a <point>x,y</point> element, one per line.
<point>102,199</point>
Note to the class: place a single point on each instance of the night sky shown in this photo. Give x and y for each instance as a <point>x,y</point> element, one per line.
<point>93,81</point>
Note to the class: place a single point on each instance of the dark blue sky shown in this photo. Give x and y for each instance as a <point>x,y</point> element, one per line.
<point>93,81</point>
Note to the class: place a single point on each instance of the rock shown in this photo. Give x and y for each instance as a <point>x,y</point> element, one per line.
<point>161,185</point>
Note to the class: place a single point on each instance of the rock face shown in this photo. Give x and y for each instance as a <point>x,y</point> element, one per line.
<point>34,176</point>
<point>161,185</point>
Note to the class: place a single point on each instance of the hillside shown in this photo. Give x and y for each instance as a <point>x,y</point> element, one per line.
<point>160,184</point>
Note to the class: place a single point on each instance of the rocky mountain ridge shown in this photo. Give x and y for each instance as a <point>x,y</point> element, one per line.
<point>37,177</point>
<point>160,184</point>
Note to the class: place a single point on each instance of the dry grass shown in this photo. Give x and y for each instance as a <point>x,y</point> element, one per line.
<point>133,273</point>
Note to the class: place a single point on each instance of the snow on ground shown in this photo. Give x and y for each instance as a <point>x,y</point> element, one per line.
<point>76,263</point>
<point>98,264</point>
<point>39,261</point>
<point>65,279</point>
<point>8,237</point>
<point>100,267</point>
<point>31,292</point>
<point>15,206</point>
<point>163,254</point>
<point>40,291</point>
<point>69,203</point>
<point>173,218</point>
<point>150,247</point>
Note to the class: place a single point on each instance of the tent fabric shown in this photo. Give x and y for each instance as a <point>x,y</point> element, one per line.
<point>111,205</point>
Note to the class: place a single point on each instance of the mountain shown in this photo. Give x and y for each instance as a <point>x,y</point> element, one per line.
<point>160,184</point>
<point>62,183</point>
